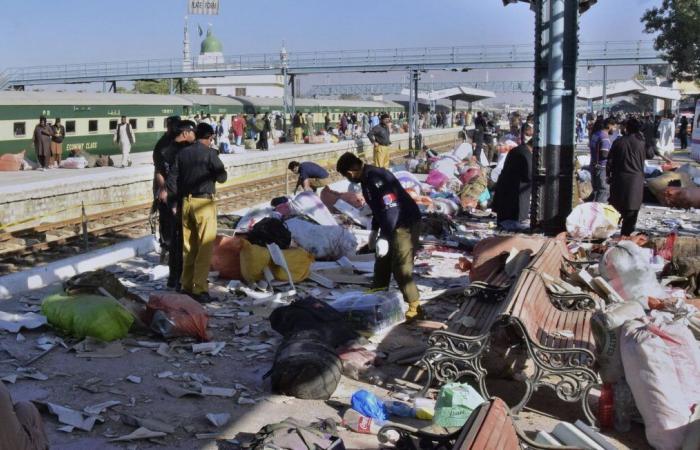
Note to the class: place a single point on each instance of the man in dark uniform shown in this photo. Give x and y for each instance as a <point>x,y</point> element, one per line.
<point>168,207</point>
<point>311,175</point>
<point>395,227</point>
<point>193,180</point>
<point>159,175</point>
<point>380,137</point>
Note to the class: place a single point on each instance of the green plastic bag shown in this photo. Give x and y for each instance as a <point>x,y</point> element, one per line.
<point>87,315</point>
<point>455,403</point>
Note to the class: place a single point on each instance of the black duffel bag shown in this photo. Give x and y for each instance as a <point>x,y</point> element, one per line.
<point>270,231</point>
<point>311,314</point>
<point>305,367</point>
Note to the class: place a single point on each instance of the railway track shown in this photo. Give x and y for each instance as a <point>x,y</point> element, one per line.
<point>27,248</point>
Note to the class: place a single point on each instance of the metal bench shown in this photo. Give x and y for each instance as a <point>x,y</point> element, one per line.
<point>558,341</point>
<point>489,427</point>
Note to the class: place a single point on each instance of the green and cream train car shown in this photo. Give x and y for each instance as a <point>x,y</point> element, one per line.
<point>90,119</point>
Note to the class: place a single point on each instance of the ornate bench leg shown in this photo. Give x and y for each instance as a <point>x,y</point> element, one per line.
<point>573,302</point>
<point>451,356</point>
<point>569,372</point>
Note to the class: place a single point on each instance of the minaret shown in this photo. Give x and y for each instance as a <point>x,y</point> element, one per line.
<point>186,58</point>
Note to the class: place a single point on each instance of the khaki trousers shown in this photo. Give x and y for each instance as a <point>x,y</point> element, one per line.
<point>21,427</point>
<point>399,262</point>
<point>56,151</point>
<point>318,183</point>
<point>198,235</point>
<point>381,156</point>
<point>298,135</point>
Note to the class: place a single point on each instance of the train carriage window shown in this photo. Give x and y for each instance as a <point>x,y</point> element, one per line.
<point>113,124</point>
<point>92,126</point>
<point>150,124</point>
<point>70,126</point>
<point>240,92</point>
<point>133,123</point>
<point>20,128</point>
<point>165,123</point>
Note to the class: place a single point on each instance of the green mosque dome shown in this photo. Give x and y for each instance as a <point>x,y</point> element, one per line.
<point>211,44</point>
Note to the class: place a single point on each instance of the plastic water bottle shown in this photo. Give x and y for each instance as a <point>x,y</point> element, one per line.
<point>359,423</point>
<point>399,409</point>
<point>623,406</point>
<point>606,407</point>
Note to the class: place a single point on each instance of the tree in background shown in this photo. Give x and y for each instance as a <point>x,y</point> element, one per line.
<point>190,86</point>
<point>678,25</point>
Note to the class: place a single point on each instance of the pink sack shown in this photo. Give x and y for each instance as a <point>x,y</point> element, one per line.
<point>470,174</point>
<point>436,179</point>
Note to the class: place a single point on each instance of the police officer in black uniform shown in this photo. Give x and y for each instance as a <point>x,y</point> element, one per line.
<point>170,209</point>
<point>164,225</point>
<point>395,227</point>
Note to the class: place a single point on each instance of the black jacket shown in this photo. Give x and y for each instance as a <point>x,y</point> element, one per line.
<point>514,186</point>
<point>196,170</point>
<point>625,170</point>
<point>391,205</point>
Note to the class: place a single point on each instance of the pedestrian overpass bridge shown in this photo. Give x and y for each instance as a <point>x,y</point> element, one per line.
<point>458,58</point>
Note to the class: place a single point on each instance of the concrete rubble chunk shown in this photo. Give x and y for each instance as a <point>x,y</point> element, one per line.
<point>100,407</point>
<point>139,433</point>
<point>13,322</point>
<point>209,348</point>
<point>218,420</point>
<point>72,417</point>
<point>134,379</point>
<point>149,423</point>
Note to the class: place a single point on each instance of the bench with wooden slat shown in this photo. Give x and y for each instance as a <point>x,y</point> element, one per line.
<point>489,427</point>
<point>559,341</point>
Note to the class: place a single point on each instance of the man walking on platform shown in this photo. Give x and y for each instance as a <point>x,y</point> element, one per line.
<point>125,138</point>
<point>395,227</point>
<point>380,137</point>
<point>193,177</point>
<point>59,133</point>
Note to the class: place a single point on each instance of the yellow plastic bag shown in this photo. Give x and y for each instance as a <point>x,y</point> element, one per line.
<point>299,262</point>
<point>254,259</point>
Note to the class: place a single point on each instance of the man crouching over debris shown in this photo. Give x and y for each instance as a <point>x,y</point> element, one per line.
<point>21,427</point>
<point>395,227</point>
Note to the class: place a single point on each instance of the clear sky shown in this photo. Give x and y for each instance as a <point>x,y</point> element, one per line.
<point>36,32</point>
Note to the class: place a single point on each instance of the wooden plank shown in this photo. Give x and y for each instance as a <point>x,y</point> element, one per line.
<point>491,429</point>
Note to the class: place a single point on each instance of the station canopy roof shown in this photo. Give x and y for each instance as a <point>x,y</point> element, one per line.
<point>625,88</point>
<point>456,93</point>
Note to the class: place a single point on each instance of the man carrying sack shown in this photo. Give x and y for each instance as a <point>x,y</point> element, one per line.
<point>192,181</point>
<point>395,227</point>
<point>379,136</point>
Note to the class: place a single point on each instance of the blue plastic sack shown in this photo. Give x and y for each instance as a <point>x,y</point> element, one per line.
<point>369,405</point>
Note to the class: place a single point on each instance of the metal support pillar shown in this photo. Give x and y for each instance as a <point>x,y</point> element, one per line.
<point>605,91</point>
<point>411,114</point>
<point>556,50</point>
<point>418,144</point>
<point>293,105</point>
<point>171,86</point>
<point>180,85</point>
<point>285,99</point>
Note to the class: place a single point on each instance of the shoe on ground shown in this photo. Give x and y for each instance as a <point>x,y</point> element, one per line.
<point>415,312</point>
<point>203,298</point>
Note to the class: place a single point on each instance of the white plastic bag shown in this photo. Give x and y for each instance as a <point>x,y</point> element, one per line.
<point>664,376</point>
<point>626,266</point>
<point>74,162</point>
<point>310,205</point>
<point>256,215</point>
<point>322,241</point>
<point>592,220</point>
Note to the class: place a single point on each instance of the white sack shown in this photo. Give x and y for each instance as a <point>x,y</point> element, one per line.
<point>323,241</point>
<point>310,205</point>
<point>592,220</point>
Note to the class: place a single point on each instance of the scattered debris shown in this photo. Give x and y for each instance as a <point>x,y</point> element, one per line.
<point>134,379</point>
<point>14,322</point>
<point>210,348</point>
<point>218,420</point>
<point>139,433</point>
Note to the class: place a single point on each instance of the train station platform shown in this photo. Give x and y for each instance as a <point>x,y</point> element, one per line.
<point>32,198</point>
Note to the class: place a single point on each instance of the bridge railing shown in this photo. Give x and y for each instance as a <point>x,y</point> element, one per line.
<point>419,56</point>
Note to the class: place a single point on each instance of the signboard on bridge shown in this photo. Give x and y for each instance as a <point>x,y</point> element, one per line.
<point>209,7</point>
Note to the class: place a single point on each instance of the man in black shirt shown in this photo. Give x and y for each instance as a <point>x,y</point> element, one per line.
<point>311,175</point>
<point>192,180</point>
<point>395,227</point>
<point>165,227</point>
<point>169,210</point>
<point>380,137</point>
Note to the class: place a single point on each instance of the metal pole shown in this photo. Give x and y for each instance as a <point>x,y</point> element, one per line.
<point>410,115</point>
<point>416,131</point>
<point>605,89</point>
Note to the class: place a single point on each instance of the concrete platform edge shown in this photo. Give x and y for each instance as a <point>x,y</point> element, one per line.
<point>41,277</point>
